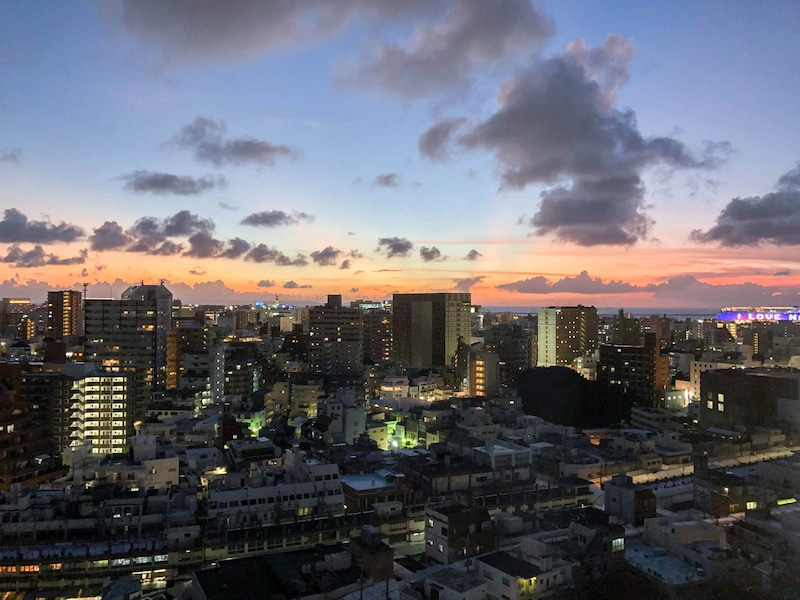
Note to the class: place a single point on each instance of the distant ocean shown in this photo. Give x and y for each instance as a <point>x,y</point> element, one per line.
<point>671,312</point>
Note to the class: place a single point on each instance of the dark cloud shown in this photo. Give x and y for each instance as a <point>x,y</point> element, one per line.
<point>345,264</point>
<point>284,261</point>
<point>226,206</point>
<point>556,124</point>
<point>84,272</point>
<point>329,256</point>
<point>263,253</point>
<point>205,138</point>
<point>276,218</point>
<point>473,255</point>
<point>355,254</point>
<point>433,144</point>
<point>387,180</point>
<point>204,245</point>
<point>291,285</point>
<point>38,257</point>
<point>784,273</point>
<point>464,285</point>
<point>429,254</point>
<point>266,283</point>
<point>354,290</point>
<point>471,36</point>
<point>15,228</point>
<point>189,31</point>
<point>151,235</point>
<point>386,271</point>
<point>162,184</point>
<point>109,236</point>
<point>197,272</point>
<point>773,217</point>
<point>582,283</point>
<point>394,246</point>
<point>11,155</point>
<point>236,247</point>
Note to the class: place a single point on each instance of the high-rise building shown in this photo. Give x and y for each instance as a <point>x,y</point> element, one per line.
<point>565,333</point>
<point>26,456</point>
<point>640,372</point>
<point>64,318</point>
<point>426,328</point>
<point>513,345</point>
<point>101,412</point>
<point>186,335</point>
<point>160,298</point>
<point>49,399</point>
<point>121,338</point>
<point>377,335</point>
<point>336,339</point>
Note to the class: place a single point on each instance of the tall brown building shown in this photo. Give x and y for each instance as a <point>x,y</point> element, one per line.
<point>185,335</point>
<point>565,333</point>
<point>64,315</point>
<point>426,327</point>
<point>377,335</point>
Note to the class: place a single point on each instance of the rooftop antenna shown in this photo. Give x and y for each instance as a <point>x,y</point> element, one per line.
<point>85,286</point>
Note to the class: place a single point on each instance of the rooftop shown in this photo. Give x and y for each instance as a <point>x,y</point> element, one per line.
<point>511,565</point>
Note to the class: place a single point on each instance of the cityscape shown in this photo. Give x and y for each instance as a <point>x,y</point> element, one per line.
<point>419,300</point>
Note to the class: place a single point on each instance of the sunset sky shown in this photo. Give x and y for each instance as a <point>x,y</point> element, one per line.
<point>632,154</point>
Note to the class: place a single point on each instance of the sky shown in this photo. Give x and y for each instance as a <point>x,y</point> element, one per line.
<point>535,154</point>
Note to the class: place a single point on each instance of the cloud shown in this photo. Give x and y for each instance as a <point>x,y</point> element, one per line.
<point>464,285</point>
<point>151,235</point>
<point>433,144</point>
<point>226,206</point>
<point>473,255</point>
<point>354,290</point>
<point>236,248</point>
<point>276,218</point>
<point>11,155</point>
<point>582,283</point>
<point>266,283</point>
<point>394,246</point>
<point>326,257</point>
<point>387,180</point>
<point>345,264</point>
<point>16,228</point>
<point>429,254</point>
<point>197,272</point>
<point>556,124</point>
<point>263,253</point>
<point>37,257</point>
<point>773,217</point>
<point>162,184</point>
<point>203,245</point>
<point>191,31</point>
<point>205,138</point>
<point>291,285</point>
<point>471,36</point>
<point>109,236</point>
<point>783,273</point>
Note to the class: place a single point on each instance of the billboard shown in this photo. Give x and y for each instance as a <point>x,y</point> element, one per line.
<point>758,316</point>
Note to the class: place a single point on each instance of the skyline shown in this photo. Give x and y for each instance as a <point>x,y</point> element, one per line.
<point>533,154</point>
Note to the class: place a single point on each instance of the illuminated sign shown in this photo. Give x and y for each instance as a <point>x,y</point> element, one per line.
<point>787,501</point>
<point>758,316</point>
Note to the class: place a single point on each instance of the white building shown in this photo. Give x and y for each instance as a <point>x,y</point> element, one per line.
<point>102,412</point>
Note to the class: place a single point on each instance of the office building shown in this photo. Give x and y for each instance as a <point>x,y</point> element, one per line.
<point>377,335</point>
<point>426,328</point>
<point>64,317</point>
<point>565,333</point>
<point>186,335</point>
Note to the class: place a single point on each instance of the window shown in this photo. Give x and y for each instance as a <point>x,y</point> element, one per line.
<point>506,581</point>
<point>618,544</point>
<point>441,548</point>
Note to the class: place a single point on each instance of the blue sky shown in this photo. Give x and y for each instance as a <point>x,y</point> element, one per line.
<point>92,99</point>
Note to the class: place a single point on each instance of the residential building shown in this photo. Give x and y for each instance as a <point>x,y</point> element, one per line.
<point>64,314</point>
<point>639,372</point>
<point>454,532</point>
<point>336,339</point>
<point>565,333</point>
<point>102,413</point>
